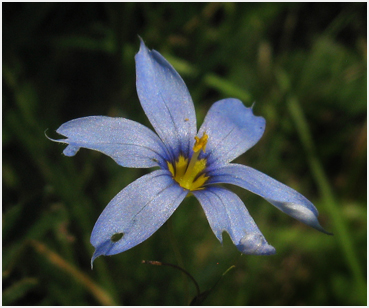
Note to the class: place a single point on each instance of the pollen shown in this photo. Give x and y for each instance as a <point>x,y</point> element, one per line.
<point>189,173</point>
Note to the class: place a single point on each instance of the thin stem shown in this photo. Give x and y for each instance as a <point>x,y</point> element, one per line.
<point>177,267</point>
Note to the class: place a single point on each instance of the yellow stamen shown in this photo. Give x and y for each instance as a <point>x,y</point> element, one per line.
<point>200,143</point>
<point>189,174</point>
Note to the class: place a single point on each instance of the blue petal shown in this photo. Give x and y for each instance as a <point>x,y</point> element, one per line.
<point>232,129</point>
<point>165,100</point>
<point>226,212</point>
<point>136,213</point>
<point>129,143</point>
<point>281,196</point>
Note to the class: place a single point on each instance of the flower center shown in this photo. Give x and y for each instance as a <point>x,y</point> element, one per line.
<point>189,174</point>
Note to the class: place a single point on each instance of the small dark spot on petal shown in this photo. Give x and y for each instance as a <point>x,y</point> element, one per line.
<point>154,160</point>
<point>116,237</point>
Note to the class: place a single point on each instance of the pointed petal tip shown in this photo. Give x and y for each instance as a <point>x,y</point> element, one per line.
<point>312,221</point>
<point>69,150</point>
<point>54,140</point>
<point>321,229</point>
<point>102,250</point>
<point>306,216</point>
<point>255,244</point>
<point>143,47</point>
<point>94,256</point>
<point>304,212</point>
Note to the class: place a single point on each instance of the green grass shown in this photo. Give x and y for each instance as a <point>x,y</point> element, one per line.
<point>304,66</point>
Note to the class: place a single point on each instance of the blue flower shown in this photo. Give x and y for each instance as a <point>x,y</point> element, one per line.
<point>189,162</point>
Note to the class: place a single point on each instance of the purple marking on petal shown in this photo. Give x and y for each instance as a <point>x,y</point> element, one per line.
<point>166,101</point>
<point>232,129</point>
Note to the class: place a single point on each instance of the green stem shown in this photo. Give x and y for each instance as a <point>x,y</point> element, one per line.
<point>177,267</point>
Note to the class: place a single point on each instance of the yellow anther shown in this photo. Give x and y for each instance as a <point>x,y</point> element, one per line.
<point>189,173</point>
<point>200,143</point>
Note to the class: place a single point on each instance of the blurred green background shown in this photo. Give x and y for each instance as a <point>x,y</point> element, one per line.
<point>305,67</point>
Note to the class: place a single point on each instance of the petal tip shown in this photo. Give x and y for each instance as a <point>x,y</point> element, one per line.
<point>307,215</point>
<point>69,150</point>
<point>55,140</point>
<point>321,229</point>
<point>102,249</point>
<point>255,244</point>
<point>94,256</point>
<point>143,48</point>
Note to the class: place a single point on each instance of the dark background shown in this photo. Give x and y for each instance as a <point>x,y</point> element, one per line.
<point>304,64</point>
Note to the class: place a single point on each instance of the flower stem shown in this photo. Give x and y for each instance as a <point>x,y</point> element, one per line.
<point>177,267</point>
